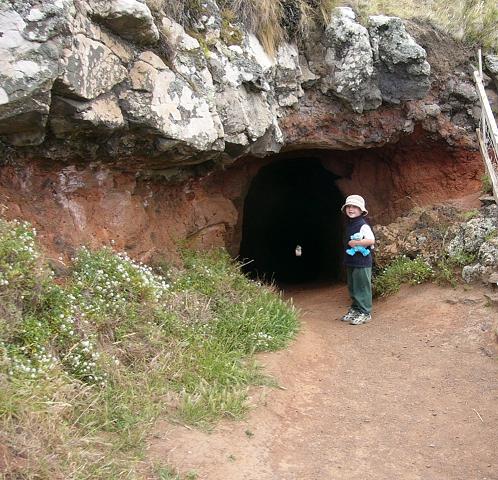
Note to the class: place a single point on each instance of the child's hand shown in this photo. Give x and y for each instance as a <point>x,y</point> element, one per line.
<point>353,243</point>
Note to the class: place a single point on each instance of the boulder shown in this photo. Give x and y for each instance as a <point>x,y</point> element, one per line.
<point>130,19</point>
<point>166,104</point>
<point>488,252</point>
<point>350,74</point>
<point>479,236</point>
<point>471,235</point>
<point>89,69</point>
<point>403,72</point>
<point>30,47</point>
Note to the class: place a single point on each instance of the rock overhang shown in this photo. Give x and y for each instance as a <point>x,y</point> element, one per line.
<point>187,110</point>
<point>198,90</point>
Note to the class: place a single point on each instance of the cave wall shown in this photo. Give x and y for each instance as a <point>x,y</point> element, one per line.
<point>143,141</point>
<point>98,205</point>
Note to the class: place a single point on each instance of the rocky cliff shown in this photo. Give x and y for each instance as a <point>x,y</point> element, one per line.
<point>118,125</point>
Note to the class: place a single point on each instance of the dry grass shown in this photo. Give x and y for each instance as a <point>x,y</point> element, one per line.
<point>274,21</point>
<point>473,21</point>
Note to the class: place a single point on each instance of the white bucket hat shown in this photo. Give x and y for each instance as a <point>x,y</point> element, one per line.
<point>357,201</point>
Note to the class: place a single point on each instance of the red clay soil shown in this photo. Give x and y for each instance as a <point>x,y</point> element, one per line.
<point>412,395</point>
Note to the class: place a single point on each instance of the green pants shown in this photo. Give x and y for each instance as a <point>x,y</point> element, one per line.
<point>360,288</point>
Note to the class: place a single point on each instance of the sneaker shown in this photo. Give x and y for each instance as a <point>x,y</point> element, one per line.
<point>352,313</point>
<point>361,319</point>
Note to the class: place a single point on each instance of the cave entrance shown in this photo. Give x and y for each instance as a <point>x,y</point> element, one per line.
<point>293,202</point>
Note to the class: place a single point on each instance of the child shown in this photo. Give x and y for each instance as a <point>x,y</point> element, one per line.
<point>358,265</point>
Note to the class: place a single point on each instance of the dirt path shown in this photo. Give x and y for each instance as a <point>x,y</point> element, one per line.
<point>411,395</point>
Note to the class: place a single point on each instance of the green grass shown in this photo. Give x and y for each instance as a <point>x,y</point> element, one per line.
<point>403,270</point>
<point>89,361</point>
<point>469,215</point>
<point>168,473</point>
<point>487,186</point>
<point>443,269</point>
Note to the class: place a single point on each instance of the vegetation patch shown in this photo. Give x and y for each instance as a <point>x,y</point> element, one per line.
<point>88,361</point>
<point>440,268</point>
<point>273,21</point>
<point>402,270</point>
<point>487,185</point>
<point>472,21</point>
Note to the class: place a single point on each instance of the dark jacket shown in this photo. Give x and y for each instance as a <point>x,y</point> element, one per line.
<point>357,260</point>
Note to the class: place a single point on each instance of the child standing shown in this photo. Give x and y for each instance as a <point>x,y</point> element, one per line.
<point>358,265</point>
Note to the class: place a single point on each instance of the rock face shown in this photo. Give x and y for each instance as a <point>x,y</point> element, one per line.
<point>109,110</point>
<point>478,237</point>
<point>369,66</point>
<point>188,94</point>
<point>30,50</point>
<point>401,63</point>
<point>350,61</point>
<point>438,232</point>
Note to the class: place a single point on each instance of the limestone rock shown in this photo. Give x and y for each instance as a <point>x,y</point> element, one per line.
<point>488,253</point>
<point>131,19</point>
<point>462,91</point>
<point>30,47</point>
<point>245,115</point>
<point>209,21</point>
<point>83,63</point>
<point>351,75</point>
<point>478,236</point>
<point>478,273</point>
<point>101,115</point>
<point>271,141</point>
<point>166,104</point>
<point>189,59</point>
<point>246,65</point>
<point>471,235</point>
<point>491,64</point>
<point>308,78</point>
<point>418,233</point>
<point>90,69</point>
<point>250,85</point>
<point>472,273</point>
<point>401,63</point>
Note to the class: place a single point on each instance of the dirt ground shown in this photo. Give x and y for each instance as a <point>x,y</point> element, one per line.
<point>411,395</point>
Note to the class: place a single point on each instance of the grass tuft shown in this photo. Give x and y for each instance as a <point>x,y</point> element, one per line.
<point>472,21</point>
<point>403,270</point>
<point>487,185</point>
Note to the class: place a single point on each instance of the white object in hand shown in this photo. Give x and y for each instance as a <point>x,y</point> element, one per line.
<point>298,251</point>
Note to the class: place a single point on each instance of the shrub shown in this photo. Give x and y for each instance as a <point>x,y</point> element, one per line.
<point>400,271</point>
<point>487,186</point>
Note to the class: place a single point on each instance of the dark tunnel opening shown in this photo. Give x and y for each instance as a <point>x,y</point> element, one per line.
<point>290,203</point>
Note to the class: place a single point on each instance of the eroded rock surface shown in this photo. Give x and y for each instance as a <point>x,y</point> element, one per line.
<point>105,93</point>
<point>216,91</point>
